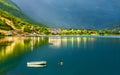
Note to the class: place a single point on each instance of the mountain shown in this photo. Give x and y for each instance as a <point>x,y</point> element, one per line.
<point>14,21</point>
<point>115,28</point>
<point>14,16</point>
<point>88,14</point>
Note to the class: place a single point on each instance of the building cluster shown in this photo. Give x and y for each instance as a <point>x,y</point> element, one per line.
<point>55,31</point>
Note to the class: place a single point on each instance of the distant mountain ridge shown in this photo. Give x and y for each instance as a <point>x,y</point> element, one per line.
<point>85,14</point>
<point>114,27</point>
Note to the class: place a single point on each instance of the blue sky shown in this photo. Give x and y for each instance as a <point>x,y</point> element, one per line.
<point>72,13</point>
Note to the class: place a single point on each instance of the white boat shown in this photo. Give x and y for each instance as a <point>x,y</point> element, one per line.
<point>36,64</point>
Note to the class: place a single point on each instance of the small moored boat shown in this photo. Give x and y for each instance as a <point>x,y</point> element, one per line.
<point>36,64</point>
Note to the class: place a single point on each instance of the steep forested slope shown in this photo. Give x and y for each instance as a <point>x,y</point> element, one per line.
<point>12,19</point>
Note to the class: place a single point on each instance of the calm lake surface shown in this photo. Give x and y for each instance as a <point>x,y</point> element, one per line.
<point>81,55</point>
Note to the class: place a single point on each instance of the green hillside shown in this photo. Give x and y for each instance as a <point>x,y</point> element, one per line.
<point>13,19</point>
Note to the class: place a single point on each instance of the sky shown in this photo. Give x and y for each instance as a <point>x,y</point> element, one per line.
<point>89,14</point>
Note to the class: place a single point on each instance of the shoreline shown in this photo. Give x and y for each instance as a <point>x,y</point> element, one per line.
<point>91,36</point>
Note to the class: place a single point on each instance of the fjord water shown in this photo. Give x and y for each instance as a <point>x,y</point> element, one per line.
<point>81,55</point>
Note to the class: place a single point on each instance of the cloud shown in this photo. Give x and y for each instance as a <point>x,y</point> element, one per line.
<point>72,13</point>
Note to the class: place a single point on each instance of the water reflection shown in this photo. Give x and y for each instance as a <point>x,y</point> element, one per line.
<point>64,41</point>
<point>16,51</point>
<point>57,42</point>
<point>12,48</point>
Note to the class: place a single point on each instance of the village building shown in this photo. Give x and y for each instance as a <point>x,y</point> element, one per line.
<point>55,31</point>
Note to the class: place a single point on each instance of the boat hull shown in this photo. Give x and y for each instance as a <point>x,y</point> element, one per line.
<point>36,64</point>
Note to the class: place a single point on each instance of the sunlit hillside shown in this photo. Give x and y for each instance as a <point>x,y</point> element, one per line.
<point>13,19</point>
